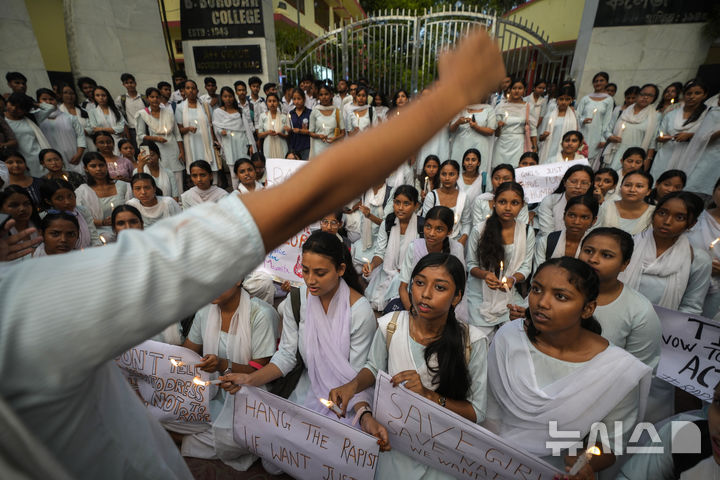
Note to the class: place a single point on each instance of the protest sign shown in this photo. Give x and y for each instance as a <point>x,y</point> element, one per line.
<point>283,263</point>
<point>690,352</point>
<point>167,390</point>
<point>438,438</point>
<point>541,180</point>
<point>305,444</point>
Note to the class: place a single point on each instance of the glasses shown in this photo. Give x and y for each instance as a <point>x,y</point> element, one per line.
<point>331,223</point>
<point>576,183</point>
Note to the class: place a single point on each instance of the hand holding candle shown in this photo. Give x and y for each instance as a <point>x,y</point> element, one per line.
<point>583,460</point>
<point>330,405</point>
<point>205,383</point>
<point>714,242</point>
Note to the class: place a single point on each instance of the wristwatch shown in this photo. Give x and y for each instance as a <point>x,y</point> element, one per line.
<point>229,367</point>
<point>441,400</point>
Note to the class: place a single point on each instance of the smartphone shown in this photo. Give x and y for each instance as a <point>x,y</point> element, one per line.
<point>144,150</point>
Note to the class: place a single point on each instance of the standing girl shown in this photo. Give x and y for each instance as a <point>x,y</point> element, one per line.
<point>233,131</point>
<point>678,127</point>
<point>499,255</point>
<point>577,180</point>
<point>59,194</point>
<point>119,168</point>
<point>204,190</point>
<point>670,98</point>
<point>372,205</point>
<point>560,121</point>
<point>516,127</point>
<point>451,196</point>
<point>703,154</point>
<point>101,194</point>
<point>580,215</point>
<point>105,117</point>
<point>326,123</point>
<point>380,105</point>
<point>474,128</point>
<point>69,105</point>
<point>472,171</point>
<point>594,111</point>
<point>150,164</point>
<point>428,351</point>
<point>396,234</point>
<point>704,236</point>
<point>194,121</point>
<point>272,128</point>
<point>298,129</point>
<point>151,206</point>
<point>630,213</point>
<point>21,116</point>
<point>157,125</point>
<point>362,116</point>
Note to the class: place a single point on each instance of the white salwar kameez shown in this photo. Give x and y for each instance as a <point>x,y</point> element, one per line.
<point>706,231</point>
<point>363,249</point>
<point>66,135</point>
<point>640,131</point>
<point>274,146</point>
<point>609,216</point>
<point>198,145</point>
<point>672,154</point>
<point>165,207</point>
<point>164,126</point>
<point>99,119</point>
<point>238,137</point>
<point>165,181</point>
<point>557,126</point>
<point>83,121</point>
<point>511,143</point>
<point>324,125</point>
<point>195,196</point>
<point>102,207</point>
<point>703,156</point>
<point>31,139</point>
<point>466,137</point>
<point>599,108</point>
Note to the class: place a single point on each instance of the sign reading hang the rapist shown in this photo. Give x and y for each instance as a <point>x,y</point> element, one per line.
<point>166,390</point>
<point>303,443</point>
<point>432,435</point>
<point>539,181</point>
<point>690,352</point>
<point>284,262</point>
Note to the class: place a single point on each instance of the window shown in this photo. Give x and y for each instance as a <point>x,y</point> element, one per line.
<point>322,14</point>
<point>294,4</point>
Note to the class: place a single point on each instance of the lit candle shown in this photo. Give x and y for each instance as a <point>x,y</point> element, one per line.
<point>672,100</point>
<point>714,242</point>
<point>503,281</point>
<point>661,134</point>
<point>566,159</point>
<point>178,363</point>
<point>457,218</point>
<point>506,116</point>
<point>583,460</point>
<point>367,262</point>
<point>65,177</point>
<point>199,381</point>
<point>594,111</point>
<point>112,206</point>
<point>102,239</point>
<point>502,267</point>
<point>426,183</point>
<point>622,129</point>
<point>232,134</point>
<point>331,406</point>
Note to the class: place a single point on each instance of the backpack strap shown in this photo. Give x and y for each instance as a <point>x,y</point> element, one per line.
<point>295,303</point>
<point>391,327</point>
<point>388,192</point>
<point>421,226</point>
<point>552,241</point>
<point>123,98</point>
<point>468,345</point>
<point>389,222</point>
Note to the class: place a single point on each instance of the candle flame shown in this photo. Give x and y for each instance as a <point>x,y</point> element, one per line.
<point>672,100</point>
<point>502,266</point>
<point>176,363</point>
<point>661,133</point>
<point>65,177</point>
<point>622,127</point>
<point>102,239</point>
<point>714,242</point>
<point>594,111</point>
<point>326,402</point>
<point>594,451</point>
<point>199,381</point>
<point>566,159</point>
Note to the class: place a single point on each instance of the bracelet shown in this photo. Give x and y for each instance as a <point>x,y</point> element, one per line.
<point>255,365</point>
<point>359,414</point>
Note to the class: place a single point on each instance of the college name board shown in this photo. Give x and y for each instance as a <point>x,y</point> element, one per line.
<point>210,19</point>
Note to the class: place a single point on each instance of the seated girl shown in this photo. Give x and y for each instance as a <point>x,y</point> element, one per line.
<point>152,207</point>
<point>101,194</point>
<point>499,255</point>
<point>450,195</point>
<point>428,351</point>
<point>483,205</point>
<point>20,175</point>
<point>606,180</point>
<point>371,206</point>
<point>59,232</point>
<point>570,147</point>
<point>119,168</point>
<point>668,182</point>
<point>59,195</point>
<point>246,175</point>
<point>544,369</point>
<point>16,202</point>
<point>577,181</point>
<point>53,163</point>
<point>632,160</point>
<point>630,212</point>
<point>429,179</point>
<point>164,178</point>
<point>201,175</point>
<point>124,217</point>
<point>396,234</point>
<point>332,223</point>
<point>234,334</point>
<point>580,215</point>
<point>704,235</point>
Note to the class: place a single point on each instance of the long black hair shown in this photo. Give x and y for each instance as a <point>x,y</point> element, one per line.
<point>445,215</point>
<point>581,276</point>
<point>234,103</point>
<point>110,102</point>
<point>695,115</point>
<point>452,374</point>
<point>491,249</point>
<point>49,187</point>
<point>570,171</point>
<point>203,165</point>
<point>652,197</point>
<point>330,246</point>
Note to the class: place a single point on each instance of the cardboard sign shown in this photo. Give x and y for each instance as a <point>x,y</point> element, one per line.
<point>305,444</point>
<point>168,391</point>
<point>283,263</point>
<point>438,438</point>
<point>541,180</point>
<point>690,352</point>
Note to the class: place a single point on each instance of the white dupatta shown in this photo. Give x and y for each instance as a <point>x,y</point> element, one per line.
<point>370,199</point>
<point>494,304</point>
<point>202,125</point>
<point>587,395</point>
<point>700,140</point>
<point>630,117</point>
<point>611,218</point>
<point>39,135</point>
<point>673,265</point>
<point>87,197</point>
<point>396,246</point>
<point>275,146</point>
<point>679,156</point>
<point>706,231</point>
<point>570,122</point>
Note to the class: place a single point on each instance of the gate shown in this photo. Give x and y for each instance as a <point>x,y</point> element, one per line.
<point>398,49</point>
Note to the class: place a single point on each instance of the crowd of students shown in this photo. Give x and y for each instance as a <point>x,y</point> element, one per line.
<point>508,314</point>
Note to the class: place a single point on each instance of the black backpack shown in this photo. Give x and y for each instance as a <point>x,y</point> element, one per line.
<point>284,386</point>
<point>390,221</point>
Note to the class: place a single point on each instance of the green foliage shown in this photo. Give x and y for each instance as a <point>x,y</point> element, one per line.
<point>289,39</point>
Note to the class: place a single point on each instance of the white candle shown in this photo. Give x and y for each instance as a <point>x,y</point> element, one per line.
<point>331,406</point>
<point>672,100</point>
<point>594,111</point>
<point>714,242</point>
<point>199,381</point>
<point>426,184</point>
<point>661,134</point>
<point>366,261</point>
<point>583,460</point>
<point>622,129</point>
<point>178,363</point>
<point>502,268</point>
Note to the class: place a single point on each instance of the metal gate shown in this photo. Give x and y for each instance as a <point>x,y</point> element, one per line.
<point>398,49</point>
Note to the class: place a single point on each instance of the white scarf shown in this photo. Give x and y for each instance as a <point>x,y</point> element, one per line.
<point>400,356</point>
<point>84,239</point>
<point>202,125</point>
<point>673,265</point>
<point>87,197</point>
<point>630,117</point>
<point>39,135</point>
<point>706,231</point>
<point>397,246</point>
<point>576,401</point>
<point>370,200</point>
<point>494,304</point>
<point>243,189</point>
<point>163,126</point>
<point>457,209</point>
<point>160,210</point>
<point>327,349</point>
<point>678,156</point>
<point>197,196</point>
<point>558,210</point>
<point>611,218</point>
<point>570,122</point>
<point>696,148</point>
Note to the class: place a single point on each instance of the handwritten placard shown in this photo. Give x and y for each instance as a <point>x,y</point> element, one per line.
<point>167,391</point>
<point>303,443</point>
<point>690,352</point>
<point>283,263</point>
<point>438,438</point>
<point>540,181</point>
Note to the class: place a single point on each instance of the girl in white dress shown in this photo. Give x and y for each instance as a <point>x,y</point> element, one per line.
<point>704,235</point>
<point>472,172</point>
<point>272,126</point>
<point>194,121</point>
<point>499,255</point>
<point>105,117</point>
<point>678,127</point>
<point>703,154</point>
<point>474,128</point>
<point>544,368</point>
<point>430,352</point>
<point>151,206</point>
<point>371,206</point>
<point>380,105</point>
<point>631,212</point>
<point>164,179</point>
<point>636,127</point>
<point>101,194</point>
<point>157,125</point>
<point>580,215</point>
<point>438,145</point>
<point>516,127</point>
<point>201,175</point>
<point>364,116</point>
<point>594,112</point>
<point>577,180</point>
<point>670,181</point>
<point>556,124</point>
<point>391,244</point>
<point>327,124</point>
<point>69,105</point>
<point>429,178</point>
<point>451,196</point>
<point>233,131</point>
